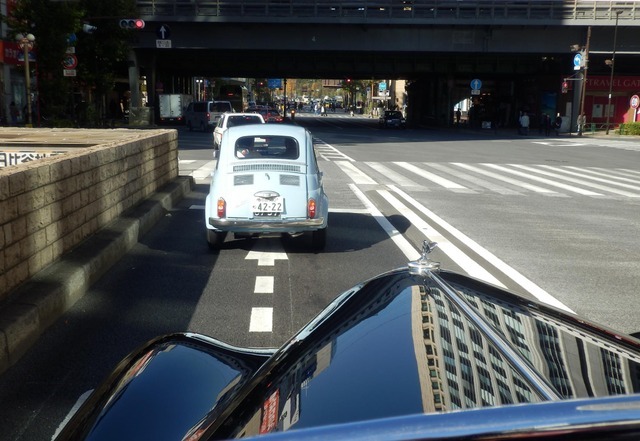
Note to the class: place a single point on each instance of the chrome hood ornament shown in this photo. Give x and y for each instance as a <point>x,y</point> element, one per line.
<point>424,263</point>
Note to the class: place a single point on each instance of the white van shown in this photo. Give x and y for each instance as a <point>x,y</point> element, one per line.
<point>204,115</point>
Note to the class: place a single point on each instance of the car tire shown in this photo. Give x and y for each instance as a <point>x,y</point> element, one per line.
<point>190,126</point>
<point>319,239</point>
<point>216,239</point>
<point>202,127</point>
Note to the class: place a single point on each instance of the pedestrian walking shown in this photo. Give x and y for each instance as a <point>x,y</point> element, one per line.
<point>582,121</point>
<point>524,123</point>
<point>546,123</point>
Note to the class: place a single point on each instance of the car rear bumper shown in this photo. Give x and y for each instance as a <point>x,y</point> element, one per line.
<point>266,225</point>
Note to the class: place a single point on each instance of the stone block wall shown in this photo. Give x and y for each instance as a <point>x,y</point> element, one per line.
<point>49,206</point>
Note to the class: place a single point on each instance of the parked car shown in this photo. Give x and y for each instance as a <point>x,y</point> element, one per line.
<point>233,119</point>
<point>392,118</point>
<point>266,180</point>
<point>204,115</point>
<point>415,353</point>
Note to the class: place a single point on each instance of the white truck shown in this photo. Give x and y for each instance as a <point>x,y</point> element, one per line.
<point>171,107</point>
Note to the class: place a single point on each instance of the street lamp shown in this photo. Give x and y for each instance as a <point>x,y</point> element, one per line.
<point>611,64</point>
<point>26,42</point>
<point>199,89</point>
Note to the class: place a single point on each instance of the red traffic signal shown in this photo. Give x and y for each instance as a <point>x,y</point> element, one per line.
<point>132,23</point>
<point>565,86</point>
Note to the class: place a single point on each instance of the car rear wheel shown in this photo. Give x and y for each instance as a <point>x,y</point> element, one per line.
<point>319,239</point>
<point>216,238</point>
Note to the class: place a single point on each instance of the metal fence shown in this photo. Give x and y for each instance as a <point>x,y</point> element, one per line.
<point>434,11</point>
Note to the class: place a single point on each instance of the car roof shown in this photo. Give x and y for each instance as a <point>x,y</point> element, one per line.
<point>241,114</point>
<point>267,130</point>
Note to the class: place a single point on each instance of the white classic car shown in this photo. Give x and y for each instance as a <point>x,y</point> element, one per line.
<point>266,180</point>
<point>233,119</point>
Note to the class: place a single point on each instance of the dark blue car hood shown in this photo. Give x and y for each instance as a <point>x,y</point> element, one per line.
<point>404,343</point>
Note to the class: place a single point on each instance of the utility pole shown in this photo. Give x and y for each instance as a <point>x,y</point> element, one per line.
<point>584,78</point>
<point>612,66</point>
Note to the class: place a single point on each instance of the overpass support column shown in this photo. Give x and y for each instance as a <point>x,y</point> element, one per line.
<point>134,79</point>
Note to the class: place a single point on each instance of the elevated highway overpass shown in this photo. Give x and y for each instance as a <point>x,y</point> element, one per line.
<point>439,46</point>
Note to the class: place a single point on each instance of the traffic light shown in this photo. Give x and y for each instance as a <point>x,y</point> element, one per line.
<point>132,23</point>
<point>565,86</point>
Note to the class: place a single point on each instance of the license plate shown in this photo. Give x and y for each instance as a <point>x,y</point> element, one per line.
<point>271,206</point>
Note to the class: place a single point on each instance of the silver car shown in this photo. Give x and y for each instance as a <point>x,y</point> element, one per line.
<point>233,119</point>
<point>266,181</point>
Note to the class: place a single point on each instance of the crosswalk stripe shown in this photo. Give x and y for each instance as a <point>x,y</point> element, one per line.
<point>391,176</point>
<point>355,173</point>
<point>597,186</point>
<point>474,180</point>
<point>545,181</point>
<point>576,181</point>
<point>611,174</point>
<point>506,179</point>
<point>430,176</point>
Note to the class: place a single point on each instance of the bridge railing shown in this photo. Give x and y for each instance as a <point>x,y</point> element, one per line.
<point>444,12</point>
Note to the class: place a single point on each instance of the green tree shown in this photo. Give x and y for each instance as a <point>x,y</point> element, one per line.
<point>101,54</point>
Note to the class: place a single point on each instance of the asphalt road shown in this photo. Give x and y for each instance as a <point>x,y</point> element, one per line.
<point>552,218</point>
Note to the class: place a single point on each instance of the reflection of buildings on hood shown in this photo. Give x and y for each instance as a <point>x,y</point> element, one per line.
<point>281,409</point>
<point>464,369</point>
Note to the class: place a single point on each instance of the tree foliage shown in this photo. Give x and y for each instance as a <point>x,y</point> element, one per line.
<point>101,55</point>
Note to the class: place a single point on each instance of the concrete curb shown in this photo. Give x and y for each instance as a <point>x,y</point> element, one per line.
<point>44,298</point>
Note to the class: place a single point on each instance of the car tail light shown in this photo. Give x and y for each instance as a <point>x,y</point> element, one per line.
<point>222,208</point>
<point>311,208</point>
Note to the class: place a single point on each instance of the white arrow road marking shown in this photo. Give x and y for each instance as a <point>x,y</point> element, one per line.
<point>266,258</point>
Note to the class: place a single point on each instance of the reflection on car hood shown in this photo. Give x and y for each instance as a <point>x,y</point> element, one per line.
<point>415,341</point>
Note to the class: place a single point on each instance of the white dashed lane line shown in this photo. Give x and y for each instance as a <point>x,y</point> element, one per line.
<point>262,317</point>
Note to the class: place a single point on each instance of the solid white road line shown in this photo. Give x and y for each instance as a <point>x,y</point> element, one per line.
<point>469,265</point>
<point>402,243</point>
<point>514,275</point>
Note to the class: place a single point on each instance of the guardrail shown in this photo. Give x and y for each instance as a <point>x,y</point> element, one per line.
<point>567,11</point>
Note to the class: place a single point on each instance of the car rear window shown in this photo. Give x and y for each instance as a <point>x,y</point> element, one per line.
<point>273,147</point>
<point>220,107</point>
<point>241,120</point>
<point>199,107</point>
